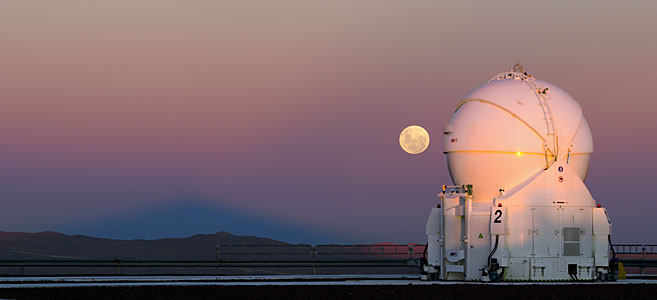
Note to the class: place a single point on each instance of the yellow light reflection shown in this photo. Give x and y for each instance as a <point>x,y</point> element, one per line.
<point>518,153</point>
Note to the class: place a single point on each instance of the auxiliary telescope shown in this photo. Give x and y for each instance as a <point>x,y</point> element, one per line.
<point>518,151</point>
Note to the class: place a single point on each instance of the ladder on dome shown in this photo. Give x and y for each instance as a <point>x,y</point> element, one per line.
<point>542,94</point>
<point>543,100</point>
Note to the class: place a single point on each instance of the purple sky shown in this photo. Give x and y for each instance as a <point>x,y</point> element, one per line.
<point>289,112</point>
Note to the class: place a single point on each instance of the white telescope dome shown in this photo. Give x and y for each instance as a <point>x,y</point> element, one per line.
<point>507,130</point>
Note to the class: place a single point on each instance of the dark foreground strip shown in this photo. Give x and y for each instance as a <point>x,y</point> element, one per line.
<point>240,280</point>
<point>460,292</point>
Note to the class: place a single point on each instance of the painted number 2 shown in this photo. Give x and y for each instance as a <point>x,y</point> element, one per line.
<point>498,213</point>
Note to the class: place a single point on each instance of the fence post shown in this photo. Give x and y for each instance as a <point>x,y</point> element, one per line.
<point>411,251</point>
<point>643,258</point>
<point>216,257</point>
<point>314,252</point>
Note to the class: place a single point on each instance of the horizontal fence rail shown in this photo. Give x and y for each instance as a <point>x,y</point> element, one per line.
<point>637,257</point>
<point>216,264</point>
<point>363,263</point>
<point>305,256</point>
<point>260,256</point>
<point>317,251</point>
<point>210,263</point>
<point>641,263</point>
<point>635,249</point>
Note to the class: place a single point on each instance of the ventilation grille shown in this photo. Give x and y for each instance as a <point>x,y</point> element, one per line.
<point>571,241</point>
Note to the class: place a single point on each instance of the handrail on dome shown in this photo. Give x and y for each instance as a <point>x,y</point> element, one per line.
<point>510,75</point>
<point>517,72</point>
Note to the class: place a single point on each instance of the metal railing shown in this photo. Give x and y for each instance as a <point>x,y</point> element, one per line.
<point>216,264</point>
<point>316,251</point>
<point>258,256</point>
<point>637,255</point>
<point>635,249</point>
<point>307,256</point>
<point>377,255</point>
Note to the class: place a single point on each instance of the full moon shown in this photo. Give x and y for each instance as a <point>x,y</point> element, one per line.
<point>414,139</point>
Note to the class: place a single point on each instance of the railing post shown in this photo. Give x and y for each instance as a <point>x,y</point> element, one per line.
<point>643,258</point>
<point>216,257</point>
<point>314,252</point>
<point>411,250</point>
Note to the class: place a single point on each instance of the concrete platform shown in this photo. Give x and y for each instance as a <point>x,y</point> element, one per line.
<point>278,280</point>
<point>315,287</point>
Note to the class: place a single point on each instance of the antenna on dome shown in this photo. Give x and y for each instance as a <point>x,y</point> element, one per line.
<point>517,68</point>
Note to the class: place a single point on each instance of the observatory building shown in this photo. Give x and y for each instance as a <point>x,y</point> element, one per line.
<point>518,152</point>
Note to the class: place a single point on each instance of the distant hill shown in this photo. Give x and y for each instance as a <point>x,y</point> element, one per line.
<point>53,245</point>
<point>194,216</point>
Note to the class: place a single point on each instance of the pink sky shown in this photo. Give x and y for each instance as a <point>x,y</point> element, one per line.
<point>291,110</point>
